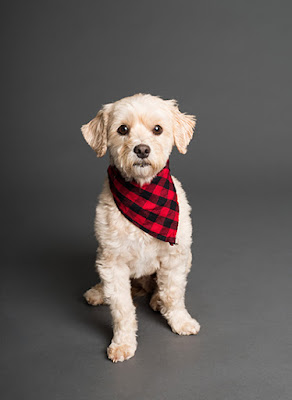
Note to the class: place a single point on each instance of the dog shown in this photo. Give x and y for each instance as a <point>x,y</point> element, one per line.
<point>135,257</point>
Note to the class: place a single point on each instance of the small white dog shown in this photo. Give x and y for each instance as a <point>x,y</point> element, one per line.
<point>136,250</point>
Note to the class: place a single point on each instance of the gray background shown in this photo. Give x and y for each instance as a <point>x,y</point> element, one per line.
<point>228,62</point>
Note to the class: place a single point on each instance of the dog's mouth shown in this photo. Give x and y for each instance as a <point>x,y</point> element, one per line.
<point>142,164</point>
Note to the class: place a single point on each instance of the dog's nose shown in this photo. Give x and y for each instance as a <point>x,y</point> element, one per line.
<point>142,150</point>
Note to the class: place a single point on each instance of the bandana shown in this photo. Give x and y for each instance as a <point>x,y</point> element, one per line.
<point>152,207</point>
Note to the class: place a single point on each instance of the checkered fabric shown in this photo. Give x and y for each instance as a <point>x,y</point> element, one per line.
<point>152,207</point>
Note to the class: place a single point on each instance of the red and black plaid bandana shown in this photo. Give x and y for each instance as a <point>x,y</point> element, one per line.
<point>152,207</point>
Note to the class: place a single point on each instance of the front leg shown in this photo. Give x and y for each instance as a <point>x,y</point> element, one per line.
<point>117,291</point>
<point>171,281</point>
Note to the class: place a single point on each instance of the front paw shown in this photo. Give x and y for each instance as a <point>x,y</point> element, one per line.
<point>188,326</point>
<point>120,352</point>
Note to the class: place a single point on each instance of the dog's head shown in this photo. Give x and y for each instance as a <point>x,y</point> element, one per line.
<point>139,132</point>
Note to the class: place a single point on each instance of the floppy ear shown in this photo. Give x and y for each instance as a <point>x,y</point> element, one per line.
<point>95,132</point>
<point>183,127</point>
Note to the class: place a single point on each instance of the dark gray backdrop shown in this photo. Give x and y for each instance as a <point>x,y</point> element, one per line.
<point>227,62</point>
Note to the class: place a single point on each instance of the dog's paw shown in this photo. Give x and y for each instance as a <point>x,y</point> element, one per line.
<point>94,296</point>
<point>188,327</point>
<point>155,302</point>
<point>120,352</point>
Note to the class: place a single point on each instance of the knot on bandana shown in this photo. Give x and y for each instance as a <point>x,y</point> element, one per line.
<point>152,207</point>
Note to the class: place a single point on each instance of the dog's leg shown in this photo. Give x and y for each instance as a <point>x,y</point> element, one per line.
<point>171,281</point>
<point>117,290</point>
<point>155,301</point>
<point>142,286</point>
<point>95,295</point>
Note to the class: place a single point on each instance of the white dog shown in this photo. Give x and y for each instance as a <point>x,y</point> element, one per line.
<point>139,132</point>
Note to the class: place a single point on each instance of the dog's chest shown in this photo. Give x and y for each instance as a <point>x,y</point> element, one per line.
<point>144,261</point>
<point>140,251</point>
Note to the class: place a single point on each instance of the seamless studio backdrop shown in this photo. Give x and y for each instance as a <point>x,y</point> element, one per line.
<point>227,62</point>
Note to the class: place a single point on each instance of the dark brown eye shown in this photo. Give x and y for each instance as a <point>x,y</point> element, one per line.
<point>123,130</point>
<point>157,130</point>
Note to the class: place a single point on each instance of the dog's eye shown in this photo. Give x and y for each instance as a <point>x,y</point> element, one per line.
<point>157,130</point>
<point>123,130</point>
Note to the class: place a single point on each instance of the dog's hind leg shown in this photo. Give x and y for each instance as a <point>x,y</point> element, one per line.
<point>139,287</point>
<point>155,301</point>
<point>95,295</point>
<point>144,285</point>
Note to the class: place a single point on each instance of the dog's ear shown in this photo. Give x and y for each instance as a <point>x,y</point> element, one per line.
<point>183,127</point>
<point>95,132</point>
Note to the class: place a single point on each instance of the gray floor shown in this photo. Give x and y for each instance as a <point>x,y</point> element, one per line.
<point>239,289</point>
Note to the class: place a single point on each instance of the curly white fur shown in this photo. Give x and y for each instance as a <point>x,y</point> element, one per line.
<point>125,252</point>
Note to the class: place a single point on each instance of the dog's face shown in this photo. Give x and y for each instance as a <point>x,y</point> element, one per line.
<point>139,132</point>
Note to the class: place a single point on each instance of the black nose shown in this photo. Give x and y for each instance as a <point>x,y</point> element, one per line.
<point>142,150</point>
